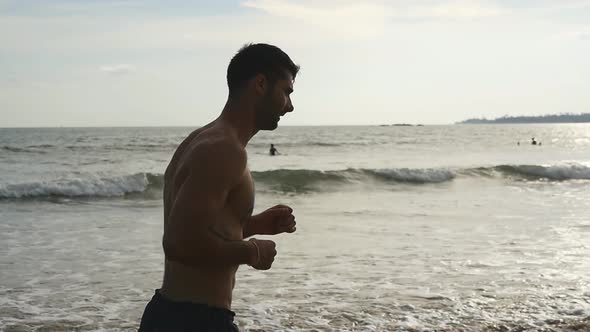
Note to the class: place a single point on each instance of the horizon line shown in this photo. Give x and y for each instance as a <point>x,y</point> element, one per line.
<point>199,126</point>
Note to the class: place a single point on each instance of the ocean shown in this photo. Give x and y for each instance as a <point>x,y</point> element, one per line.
<point>399,228</point>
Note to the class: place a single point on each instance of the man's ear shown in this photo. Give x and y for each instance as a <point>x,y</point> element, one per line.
<point>260,84</point>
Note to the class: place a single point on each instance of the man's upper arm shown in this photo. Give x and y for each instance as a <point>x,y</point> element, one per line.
<point>213,170</point>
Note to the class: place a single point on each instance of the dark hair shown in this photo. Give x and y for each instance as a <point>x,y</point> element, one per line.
<point>254,59</point>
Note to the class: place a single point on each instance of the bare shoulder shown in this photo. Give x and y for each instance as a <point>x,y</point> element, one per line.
<point>215,146</point>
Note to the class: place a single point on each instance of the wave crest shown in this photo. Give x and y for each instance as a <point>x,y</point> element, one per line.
<point>289,180</point>
<point>303,180</point>
<point>90,186</point>
<point>427,175</point>
<point>554,172</point>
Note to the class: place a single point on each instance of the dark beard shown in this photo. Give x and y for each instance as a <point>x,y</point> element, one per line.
<point>266,119</point>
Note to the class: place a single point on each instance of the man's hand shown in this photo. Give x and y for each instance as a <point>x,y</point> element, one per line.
<point>265,254</point>
<point>278,219</point>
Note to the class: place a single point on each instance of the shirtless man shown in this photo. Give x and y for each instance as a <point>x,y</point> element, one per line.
<point>209,196</point>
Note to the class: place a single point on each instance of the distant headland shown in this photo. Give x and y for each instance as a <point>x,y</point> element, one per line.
<point>555,118</point>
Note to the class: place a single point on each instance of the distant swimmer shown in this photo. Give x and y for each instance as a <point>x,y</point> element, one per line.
<point>273,151</point>
<point>533,142</point>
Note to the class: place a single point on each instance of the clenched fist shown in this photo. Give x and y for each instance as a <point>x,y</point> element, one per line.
<point>265,254</point>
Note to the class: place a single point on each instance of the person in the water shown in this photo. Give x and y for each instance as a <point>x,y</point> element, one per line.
<point>273,151</point>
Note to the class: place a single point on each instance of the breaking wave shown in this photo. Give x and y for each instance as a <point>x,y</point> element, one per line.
<point>88,186</point>
<point>291,180</point>
<point>554,173</point>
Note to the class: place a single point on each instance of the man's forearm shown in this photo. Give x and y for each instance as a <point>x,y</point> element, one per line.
<point>250,227</point>
<point>217,252</point>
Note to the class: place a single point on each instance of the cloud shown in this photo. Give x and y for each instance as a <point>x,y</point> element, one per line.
<point>302,22</point>
<point>355,19</point>
<point>318,10</point>
<point>367,11</point>
<point>120,69</point>
<point>583,34</point>
<point>455,10</point>
<point>578,33</point>
<point>83,35</point>
<point>551,5</point>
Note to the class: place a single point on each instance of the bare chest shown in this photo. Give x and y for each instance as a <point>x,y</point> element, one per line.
<point>241,198</point>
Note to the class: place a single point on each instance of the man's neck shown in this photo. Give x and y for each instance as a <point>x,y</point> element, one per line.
<point>240,116</point>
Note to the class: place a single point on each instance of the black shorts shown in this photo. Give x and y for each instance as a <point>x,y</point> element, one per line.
<point>163,315</point>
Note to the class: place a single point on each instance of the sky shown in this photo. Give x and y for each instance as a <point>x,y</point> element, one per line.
<point>78,63</point>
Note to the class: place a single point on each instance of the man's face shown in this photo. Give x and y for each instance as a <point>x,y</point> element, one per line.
<point>275,103</point>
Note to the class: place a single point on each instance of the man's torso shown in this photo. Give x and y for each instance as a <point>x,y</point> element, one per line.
<point>207,285</point>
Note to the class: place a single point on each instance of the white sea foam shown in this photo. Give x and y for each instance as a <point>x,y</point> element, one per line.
<point>571,171</point>
<point>78,186</point>
<point>428,175</point>
<point>294,180</point>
